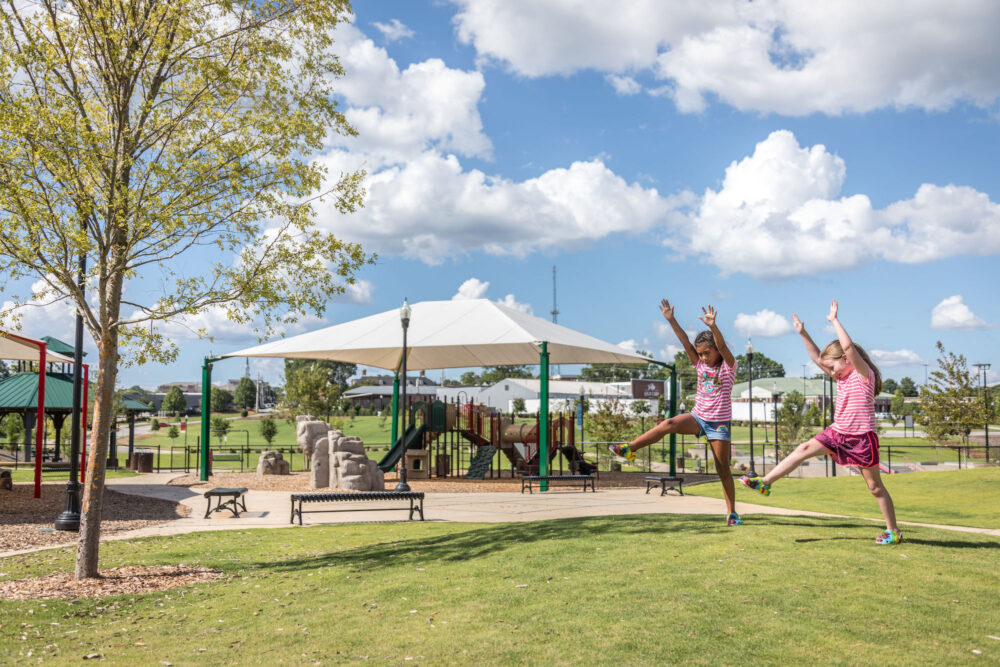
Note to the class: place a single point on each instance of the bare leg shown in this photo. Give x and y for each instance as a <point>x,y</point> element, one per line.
<point>806,450</point>
<point>877,487</point>
<point>721,450</point>
<point>685,424</point>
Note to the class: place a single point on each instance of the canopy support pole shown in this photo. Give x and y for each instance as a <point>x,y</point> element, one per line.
<point>40,423</point>
<point>543,416</point>
<point>206,414</point>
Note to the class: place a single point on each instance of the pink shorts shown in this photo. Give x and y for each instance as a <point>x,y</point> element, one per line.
<point>851,450</point>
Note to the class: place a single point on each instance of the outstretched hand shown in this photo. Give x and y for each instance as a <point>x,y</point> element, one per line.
<point>708,316</point>
<point>833,311</point>
<point>799,326</point>
<point>666,309</point>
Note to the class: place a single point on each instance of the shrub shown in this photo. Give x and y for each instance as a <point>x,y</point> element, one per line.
<point>155,426</point>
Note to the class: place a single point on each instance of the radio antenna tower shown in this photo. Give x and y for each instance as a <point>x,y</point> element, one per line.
<point>554,311</point>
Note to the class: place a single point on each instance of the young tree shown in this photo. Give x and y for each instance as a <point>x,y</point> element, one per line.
<point>949,400</point>
<point>763,367</point>
<point>518,405</point>
<point>245,395</point>
<point>813,416</point>
<point>791,417</point>
<point>309,391</point>
<point>135,133</point>
<point>173,432</point>
<point>174,401</point>
<point>220,426</point>
<point>268,429</point>
<point>222,399</point>
<point>338,372</point>
<point>908,387</point>
<point>896,407</point>
<point>13,428</point>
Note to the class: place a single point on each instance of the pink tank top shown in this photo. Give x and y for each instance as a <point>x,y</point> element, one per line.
<point>714,400</point>
<point>855,404</point>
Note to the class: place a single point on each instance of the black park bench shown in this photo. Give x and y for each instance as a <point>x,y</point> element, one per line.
<point>236,502</point>
<point>588,480</point>
<point>416,499</point>
<point>663,481</point>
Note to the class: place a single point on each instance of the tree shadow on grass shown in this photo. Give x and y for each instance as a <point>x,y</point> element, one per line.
<point>489,540</point>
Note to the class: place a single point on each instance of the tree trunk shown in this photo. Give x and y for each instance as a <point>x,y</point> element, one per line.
<point>97,456</point>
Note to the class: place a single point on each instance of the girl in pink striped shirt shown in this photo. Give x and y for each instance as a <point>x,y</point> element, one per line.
<point>713,408</point>
<point>851,440</point>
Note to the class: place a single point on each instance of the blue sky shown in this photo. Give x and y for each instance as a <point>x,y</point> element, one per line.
<point>762,157</point>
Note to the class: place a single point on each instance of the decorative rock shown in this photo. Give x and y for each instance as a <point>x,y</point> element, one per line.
<point>319,471</point>
<point>308,432</point>
<point>350,468</point>
<point>272,463</point>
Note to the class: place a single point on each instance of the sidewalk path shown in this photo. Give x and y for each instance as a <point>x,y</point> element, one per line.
<point>272,509</point>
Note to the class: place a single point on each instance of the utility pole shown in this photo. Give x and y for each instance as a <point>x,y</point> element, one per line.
<point>986,411</point>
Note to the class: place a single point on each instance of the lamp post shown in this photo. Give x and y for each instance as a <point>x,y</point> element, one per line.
<point>775,395</point>
<point>404,318</point>
<point>753,472</point>
<point>986,412</point>
<point>69,519</point>
<point>805,368</point>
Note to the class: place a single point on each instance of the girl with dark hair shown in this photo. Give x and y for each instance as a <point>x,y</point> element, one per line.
<point>851,440</point>
<point>713,409</point>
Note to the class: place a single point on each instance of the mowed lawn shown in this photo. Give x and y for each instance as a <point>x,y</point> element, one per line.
<point>635,590</point>
<point>957,498</point>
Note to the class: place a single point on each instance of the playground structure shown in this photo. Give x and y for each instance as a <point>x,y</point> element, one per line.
<point>463,440</point>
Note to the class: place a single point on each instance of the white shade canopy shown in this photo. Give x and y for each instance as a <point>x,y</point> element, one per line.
<point>21,348</point>
<point>447,334</point>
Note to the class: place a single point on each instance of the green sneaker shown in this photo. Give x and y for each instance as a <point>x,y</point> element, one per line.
<point>889,537</point>
<point>623,451</point>
<point>757,484</point>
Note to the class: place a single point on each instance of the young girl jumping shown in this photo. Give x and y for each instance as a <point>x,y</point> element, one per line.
<point>851,440</point>
<point>713,409</point>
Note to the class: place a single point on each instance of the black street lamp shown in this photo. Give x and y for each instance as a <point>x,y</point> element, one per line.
<point>69,519</point>
<point>775,395</point>
<point>404,317</point>
<point>986,412</point>
<point>753,472</point>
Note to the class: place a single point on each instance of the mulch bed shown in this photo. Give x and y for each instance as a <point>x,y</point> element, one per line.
<point>131,580</point>
<point>26,521</point>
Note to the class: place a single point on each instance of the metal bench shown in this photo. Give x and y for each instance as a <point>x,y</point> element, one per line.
<point>236,501</point>
<point>663,481</point>
<point>416,499</point>
<point>588,480</point>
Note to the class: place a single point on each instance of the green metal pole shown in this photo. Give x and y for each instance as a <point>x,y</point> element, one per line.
<point>673,412</point>
<point>206,414</point>
<point>543,418</point>
<point>395,409</point>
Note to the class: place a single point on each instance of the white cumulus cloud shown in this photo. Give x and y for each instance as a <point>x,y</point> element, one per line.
<point>886,358</point>
<point>764,323</point>
<point>953,314</point>
<point>781,56</point>
<point>473,288</point>
<point>394,30</point>
<point>511,302</point>
<point>623,85</point>
<point>780,213</point>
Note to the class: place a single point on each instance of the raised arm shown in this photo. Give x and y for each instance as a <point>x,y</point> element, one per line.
<point>668,313</point>
<point>845,342</point>
<point>811,347</point>
<point>708,317</point>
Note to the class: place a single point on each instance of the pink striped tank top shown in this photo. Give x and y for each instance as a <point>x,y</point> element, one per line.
<point>714,400</point>
<point>855,404</point>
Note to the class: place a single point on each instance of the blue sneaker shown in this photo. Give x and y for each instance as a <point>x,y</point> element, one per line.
<point>889,537</point>
<point>734,520</point>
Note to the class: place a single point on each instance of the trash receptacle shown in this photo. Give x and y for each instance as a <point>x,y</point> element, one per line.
<point>143,461</point>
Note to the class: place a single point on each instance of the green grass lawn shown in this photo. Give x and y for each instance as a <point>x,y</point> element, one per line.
<point>28,474</point>
<point>649,590</point>
<point>960,497</point>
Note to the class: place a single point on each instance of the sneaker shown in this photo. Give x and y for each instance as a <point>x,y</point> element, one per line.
<point>757,484</point>
<point>889,537</point>
<point>623,451</point>
<point>734,520</point>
